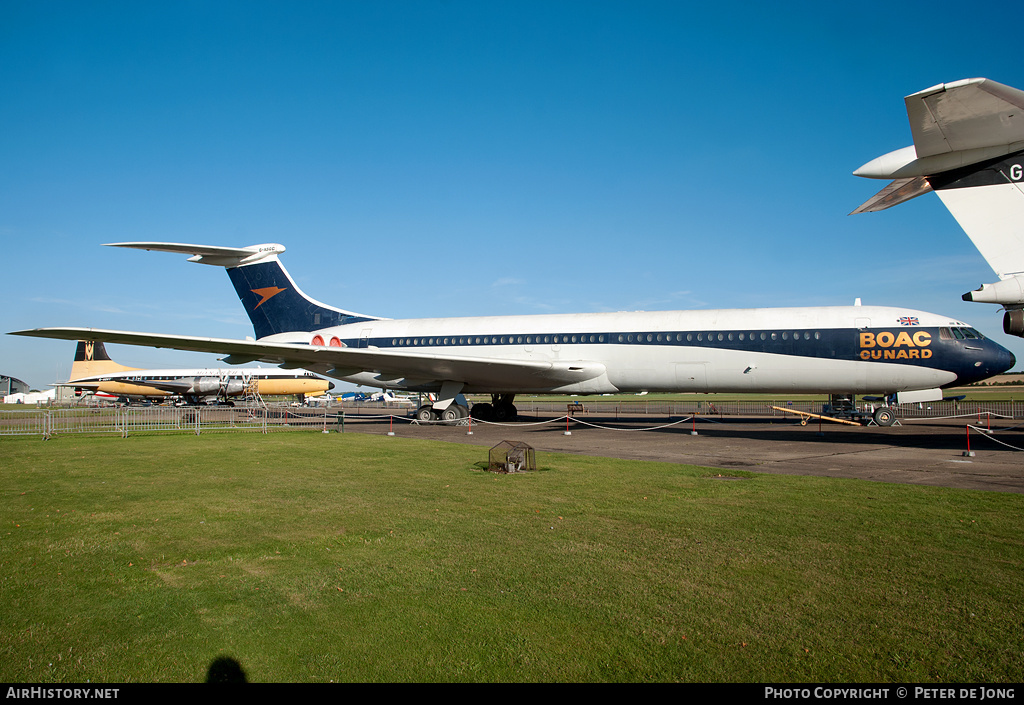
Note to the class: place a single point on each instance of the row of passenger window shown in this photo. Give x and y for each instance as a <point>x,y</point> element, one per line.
<point>608,338</point>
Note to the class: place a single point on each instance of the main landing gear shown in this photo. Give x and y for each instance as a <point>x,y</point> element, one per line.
<point>445,407</point>
<point>453,413</point>
<point>844,406</point>
<point>499,409</point>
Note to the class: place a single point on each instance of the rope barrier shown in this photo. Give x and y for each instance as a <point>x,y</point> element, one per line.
<point>651,428</point>
<point>958,416</point>
<point>521,424</point>
<point>988,434</point>
<point>693,417</point>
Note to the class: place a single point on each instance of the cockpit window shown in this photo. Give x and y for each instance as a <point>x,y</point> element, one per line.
<point>969,333</point>
<point>958,334</point>
<point>944,334</point>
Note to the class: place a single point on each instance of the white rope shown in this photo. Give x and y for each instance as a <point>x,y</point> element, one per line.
<point>652,428</point>
<point>959,416</point>
<point>441,422</point>
<point>519,424</point>
<point>987,434</point>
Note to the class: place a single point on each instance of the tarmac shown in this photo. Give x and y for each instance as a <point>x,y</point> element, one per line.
<point>918,451</point>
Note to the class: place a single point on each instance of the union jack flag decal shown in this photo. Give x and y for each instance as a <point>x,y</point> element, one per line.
<point>908,321</point>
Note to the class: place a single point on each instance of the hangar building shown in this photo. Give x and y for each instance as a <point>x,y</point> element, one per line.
<point>10,385</point>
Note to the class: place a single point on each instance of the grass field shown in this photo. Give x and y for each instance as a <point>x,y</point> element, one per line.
<point>313,557</point>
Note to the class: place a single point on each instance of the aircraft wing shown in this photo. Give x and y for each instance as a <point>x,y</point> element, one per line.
<point>967,114</point>
<point>174,386</point>
<point>80,385</point>
<point>494,373</point>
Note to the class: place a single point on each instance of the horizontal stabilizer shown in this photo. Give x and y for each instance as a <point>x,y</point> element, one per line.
<point>967,114</point>
<point>209,254</point>
<point>895,193</point>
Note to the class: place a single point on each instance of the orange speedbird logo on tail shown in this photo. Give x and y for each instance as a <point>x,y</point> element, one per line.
<point>265,294</point>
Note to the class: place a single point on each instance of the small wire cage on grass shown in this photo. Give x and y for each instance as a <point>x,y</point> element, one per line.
<point>511,456</point>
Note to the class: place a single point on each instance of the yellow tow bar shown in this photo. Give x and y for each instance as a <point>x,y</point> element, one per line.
<point>804,415</point>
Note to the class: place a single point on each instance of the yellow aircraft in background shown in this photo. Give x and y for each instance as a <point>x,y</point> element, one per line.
<point>93,371</point>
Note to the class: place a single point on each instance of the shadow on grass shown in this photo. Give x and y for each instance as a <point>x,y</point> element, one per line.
<point>225,669</point>
<point>485,466</point>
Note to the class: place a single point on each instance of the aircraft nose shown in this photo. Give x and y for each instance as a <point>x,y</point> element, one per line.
<point>992,359</point>
<point>999,361</point>
<point>1011,360</point>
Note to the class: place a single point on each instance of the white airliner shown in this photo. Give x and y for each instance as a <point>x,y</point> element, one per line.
<point>968,148</point>
<point>903,354</point>
<point>93,371</point>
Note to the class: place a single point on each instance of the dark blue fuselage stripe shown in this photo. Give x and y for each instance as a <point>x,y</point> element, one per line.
<point>835,344</point>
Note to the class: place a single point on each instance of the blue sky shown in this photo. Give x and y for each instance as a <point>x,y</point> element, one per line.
<point>449,157</point>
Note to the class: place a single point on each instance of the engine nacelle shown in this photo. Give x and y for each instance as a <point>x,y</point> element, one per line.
<point>1013,322</point>
<point>205,385</point>
<point>1007,292</point>
<point>215,385</point>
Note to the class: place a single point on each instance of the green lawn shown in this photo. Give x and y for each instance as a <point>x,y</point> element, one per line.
<point>313,557</point>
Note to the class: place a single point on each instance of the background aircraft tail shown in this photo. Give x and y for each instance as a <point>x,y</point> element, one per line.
<point>91,359</point>
<point>987,200</point>
<point>969,149</point>
<point>269,295</point>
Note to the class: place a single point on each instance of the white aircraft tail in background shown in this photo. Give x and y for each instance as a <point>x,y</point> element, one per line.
<point>969,149</point>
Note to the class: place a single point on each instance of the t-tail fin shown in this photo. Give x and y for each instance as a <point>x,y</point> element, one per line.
<point>91,360</point>
<point>274,303</point>
<point>987,200</point>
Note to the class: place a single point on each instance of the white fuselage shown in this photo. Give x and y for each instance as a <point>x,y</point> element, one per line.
<point>813,350</point>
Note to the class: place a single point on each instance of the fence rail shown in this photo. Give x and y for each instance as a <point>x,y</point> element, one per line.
<point>133,420</point>
<point>125,421</point>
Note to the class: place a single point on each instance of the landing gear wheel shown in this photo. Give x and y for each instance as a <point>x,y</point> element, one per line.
<point>483,411</point>
<point>505,412</point>
<point>426,413</point>
<point>884,416</point>
<point>452,413</point>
